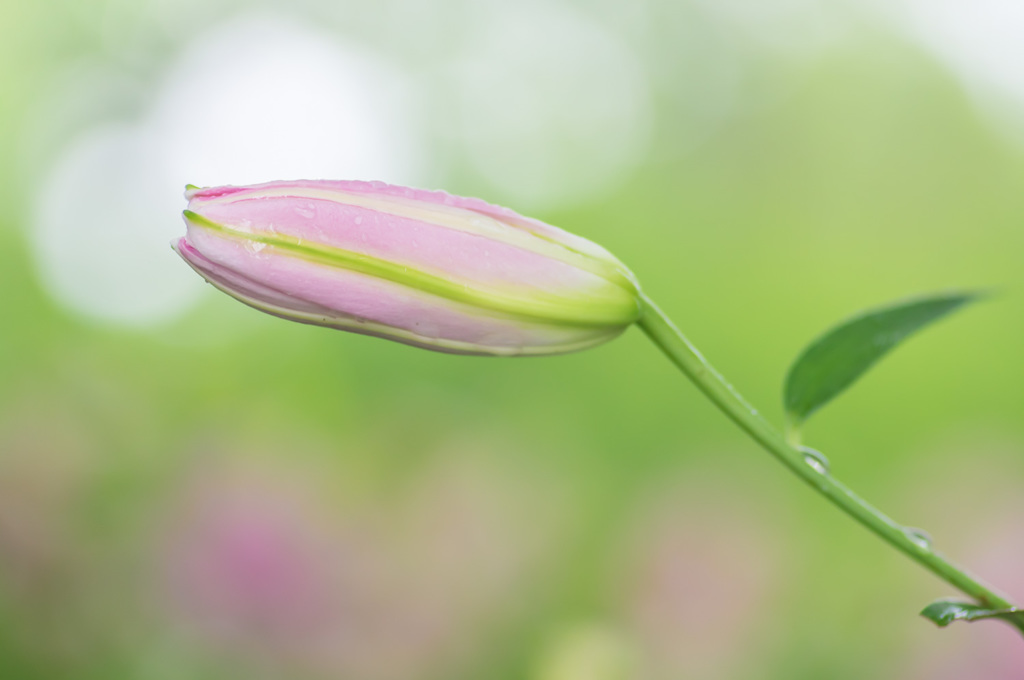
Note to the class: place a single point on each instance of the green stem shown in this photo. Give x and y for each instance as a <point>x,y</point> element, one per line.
<point>809,468</point>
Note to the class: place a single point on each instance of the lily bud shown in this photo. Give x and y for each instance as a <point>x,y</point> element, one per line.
<point>421,267</point>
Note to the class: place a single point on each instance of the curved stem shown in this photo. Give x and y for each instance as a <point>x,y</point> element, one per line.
<point>809,467</point>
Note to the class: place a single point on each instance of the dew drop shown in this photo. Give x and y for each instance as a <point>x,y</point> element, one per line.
<point>254,246</point>
<point>430,331</point>
<point>918,537</point>
<point>308,210</point>
<point>815,459</point>
<point>359,219</point>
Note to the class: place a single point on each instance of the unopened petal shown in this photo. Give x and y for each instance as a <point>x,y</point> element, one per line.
<point>468,215</point>
<point>314,294</point>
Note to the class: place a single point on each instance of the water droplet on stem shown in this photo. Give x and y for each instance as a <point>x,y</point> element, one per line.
<point>815,459</point>
<point>918,537</point>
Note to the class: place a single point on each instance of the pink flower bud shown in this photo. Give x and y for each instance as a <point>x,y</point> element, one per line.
<point>420,267</point>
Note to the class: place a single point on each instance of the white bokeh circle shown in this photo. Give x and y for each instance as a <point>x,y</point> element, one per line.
<point>103,220</point>
<point>259,98</point>
<point>982,43</point>
<point>552,108</point>
<point>266,98</point>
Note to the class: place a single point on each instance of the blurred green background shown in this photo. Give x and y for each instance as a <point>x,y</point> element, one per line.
<point>189,489</point>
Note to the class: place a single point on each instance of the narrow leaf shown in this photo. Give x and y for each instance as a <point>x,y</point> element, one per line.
<point>944,612</point>
<point>836,359</point>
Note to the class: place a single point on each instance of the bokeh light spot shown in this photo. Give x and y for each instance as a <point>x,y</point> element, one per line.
<point>256,99</point>
<point>103,221</point>
<point>552,108</point>
<point>981,44</point>
<point>266,98</point>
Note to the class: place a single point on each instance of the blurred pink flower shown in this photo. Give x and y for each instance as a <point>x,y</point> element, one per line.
<point>701,571</point>
<point>260,566</point>
<point>43,469</point>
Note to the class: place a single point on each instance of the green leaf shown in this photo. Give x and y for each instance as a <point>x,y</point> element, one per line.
<point>836,359</point>
<point>944,612</point>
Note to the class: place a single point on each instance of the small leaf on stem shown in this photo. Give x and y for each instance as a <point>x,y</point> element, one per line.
<point>944,612</point>
<point>835,360</point>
